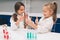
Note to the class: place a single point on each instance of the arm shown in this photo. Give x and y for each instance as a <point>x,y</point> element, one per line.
<point>45,27</point>
<point>31,23</point>
<point>36,21</point>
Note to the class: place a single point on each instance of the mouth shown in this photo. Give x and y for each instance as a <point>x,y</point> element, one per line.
<point>44,14</point>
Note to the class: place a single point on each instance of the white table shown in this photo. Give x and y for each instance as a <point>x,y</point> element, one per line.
<point>21,35</point>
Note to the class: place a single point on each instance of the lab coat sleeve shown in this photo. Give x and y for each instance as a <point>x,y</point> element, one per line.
<point>46,27</point>
<point>13,25</point>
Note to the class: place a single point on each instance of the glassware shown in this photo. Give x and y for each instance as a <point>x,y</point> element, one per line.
<point>5,32</point>
<point>31,36</point>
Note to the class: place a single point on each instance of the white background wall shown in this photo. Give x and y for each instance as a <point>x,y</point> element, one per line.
<point>35,6</point>
<point>7,6</point>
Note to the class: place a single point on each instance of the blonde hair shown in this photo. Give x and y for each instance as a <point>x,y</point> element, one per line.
<point>53,6</point>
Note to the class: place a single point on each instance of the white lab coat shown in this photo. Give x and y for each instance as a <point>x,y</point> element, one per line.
<point>14,26</point>
<point>20,26</point>
<point>45,25</point>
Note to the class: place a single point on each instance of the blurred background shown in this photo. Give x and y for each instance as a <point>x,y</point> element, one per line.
<point>32,6</point>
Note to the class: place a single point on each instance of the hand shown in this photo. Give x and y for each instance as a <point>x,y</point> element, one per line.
<point>26,21</point>
<point>26,15</point>
<point>20,18</point>
<point>36,21</point>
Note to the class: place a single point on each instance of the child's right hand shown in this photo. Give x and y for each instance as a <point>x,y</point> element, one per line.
<point>36,21</point>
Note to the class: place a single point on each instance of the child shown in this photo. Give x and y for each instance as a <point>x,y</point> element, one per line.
<point>18,18</point>
<point>49,18</point>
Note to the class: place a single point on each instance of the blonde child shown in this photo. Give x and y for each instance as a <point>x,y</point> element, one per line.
<point>49,18</point>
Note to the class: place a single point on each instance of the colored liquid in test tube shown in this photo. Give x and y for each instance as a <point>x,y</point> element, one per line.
<point>5,32</point>
<point>31,36</point>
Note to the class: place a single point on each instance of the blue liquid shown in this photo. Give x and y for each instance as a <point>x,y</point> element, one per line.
<point>31,36</point>
<point>27,35</point>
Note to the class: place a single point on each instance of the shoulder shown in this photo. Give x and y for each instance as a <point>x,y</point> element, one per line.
<point>49,20</point>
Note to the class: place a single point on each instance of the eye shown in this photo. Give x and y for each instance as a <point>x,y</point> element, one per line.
<point>22,8</point>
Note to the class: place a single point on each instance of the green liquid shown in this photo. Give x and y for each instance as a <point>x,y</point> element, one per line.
<point>31,36</point>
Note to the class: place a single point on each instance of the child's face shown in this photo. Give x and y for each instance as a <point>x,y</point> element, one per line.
<point>21,10</point>
<point>47,12</point>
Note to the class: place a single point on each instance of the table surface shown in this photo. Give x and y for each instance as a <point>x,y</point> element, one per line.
<point>21,34</point>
